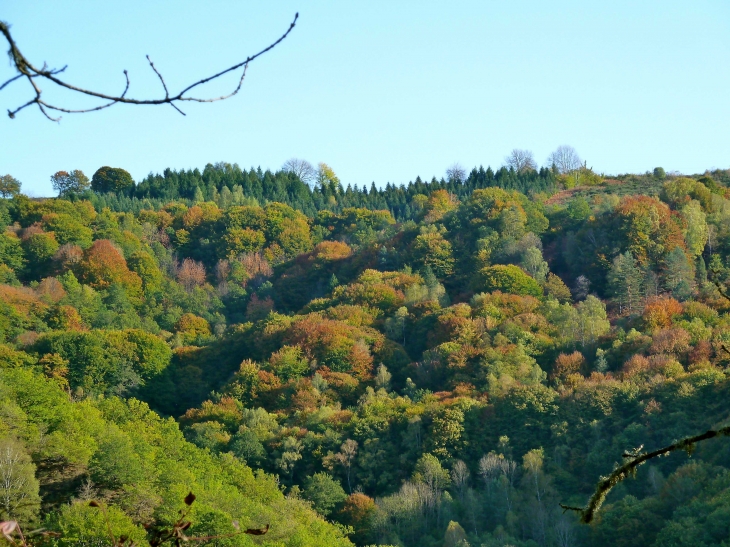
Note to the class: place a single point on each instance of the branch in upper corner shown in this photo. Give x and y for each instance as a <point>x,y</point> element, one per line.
<point>635,458</point>
<point>31,73</point>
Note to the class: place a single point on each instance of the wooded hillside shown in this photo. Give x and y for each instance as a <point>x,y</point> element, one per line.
<point>440,363</point>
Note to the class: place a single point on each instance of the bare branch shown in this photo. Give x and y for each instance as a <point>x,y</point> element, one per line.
<point>521,160</point>
<point>10,81</point>
<point>31,73</point>
<point>635,458</point>
<point>164,85</point>
<point>100,107</point>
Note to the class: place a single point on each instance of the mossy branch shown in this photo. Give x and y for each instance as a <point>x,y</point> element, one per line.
<point>634,459</point>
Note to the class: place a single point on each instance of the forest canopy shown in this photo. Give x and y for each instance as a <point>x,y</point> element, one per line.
<point>440,363</point>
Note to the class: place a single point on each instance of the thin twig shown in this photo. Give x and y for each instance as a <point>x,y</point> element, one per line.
<point>30,72</point>
<point>635,459</point>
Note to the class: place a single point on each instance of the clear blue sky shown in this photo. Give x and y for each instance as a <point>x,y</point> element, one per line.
<point>380,90</point>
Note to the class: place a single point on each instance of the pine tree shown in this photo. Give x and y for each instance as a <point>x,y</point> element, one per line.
<point>701,271</point>
<point>678,274</point>
<point>333,282</point>
<point>601,361</point>
<point>624,282</point>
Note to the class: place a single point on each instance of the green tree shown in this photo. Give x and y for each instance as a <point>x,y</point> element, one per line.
<point>289,362</point>
<point>9,186</point>
<point>11,253</point>
<point>70,183</point>
<point>68,229</point>
<point>79,524</point>
<point>145,266</point>
<point>430,472</point>
<point>592,319</point>
<point>534,264</point>
<point>289,454</point>
<point>237,241</point>
<point>624,282</point>
<point>39,249</point>
<point>246,445</point>
<point>324,492</point>
<point>455,535</point>
<point>579,209</point>
<point>431,249</point>
<point>19,499</point>
<point>678,274</point>
<point>555,288</point>
<point>382,378</point>
<point>111,179</point>
<point>327,179</point>
<point>696,232</point>
<point>509,279</point>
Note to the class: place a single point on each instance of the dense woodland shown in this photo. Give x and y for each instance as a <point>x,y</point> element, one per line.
<point>437,364</point>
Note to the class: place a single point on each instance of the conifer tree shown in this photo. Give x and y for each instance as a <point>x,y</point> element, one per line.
<point>624,281</point>
<point>678,274</point>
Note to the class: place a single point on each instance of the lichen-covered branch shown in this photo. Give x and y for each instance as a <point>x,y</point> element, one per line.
<point>635,458</point>
<point>34,74</point>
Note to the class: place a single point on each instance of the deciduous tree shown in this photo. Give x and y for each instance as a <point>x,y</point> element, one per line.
<point>9,186</point>
<point>67,183</point>
<point>565,159</point>
<point>19,499</point>
<point>111,179</point>
<point>521,160</point>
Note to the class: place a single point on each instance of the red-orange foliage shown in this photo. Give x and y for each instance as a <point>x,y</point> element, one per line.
<point>702,352</point>
<point>32,230</point>
<point>636,364</point>
<point>567,364</point>
<point>191,274</point>
<point>341,347</point>
<point>50,289</point>
<point>658,312</point>
<point>464,389</point>
<point>255,265</point>
<point>23,300</point>
<point>674,340</point>
<point>357,512</point>
<point>66,318</point>
<point>449,326</point>
<point>192,217</point>
<point>305,398</point>
<point>344,385</point>
<point>103,264</point>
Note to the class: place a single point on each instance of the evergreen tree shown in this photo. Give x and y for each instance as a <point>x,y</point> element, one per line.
<point>624,282</point>
<point>678,274</point>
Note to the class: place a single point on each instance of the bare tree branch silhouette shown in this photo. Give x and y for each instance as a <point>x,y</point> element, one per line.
<point>34,75</point>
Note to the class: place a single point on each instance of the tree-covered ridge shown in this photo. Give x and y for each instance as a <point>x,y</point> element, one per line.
<point>437,364</point>
<point>228,184</point>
